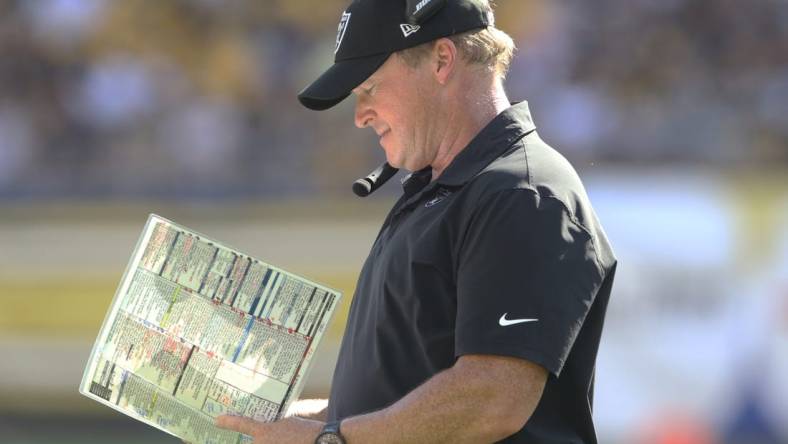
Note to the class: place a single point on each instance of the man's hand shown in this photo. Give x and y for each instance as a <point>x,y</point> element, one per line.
<point>482,398</point>
<point>286,431</point>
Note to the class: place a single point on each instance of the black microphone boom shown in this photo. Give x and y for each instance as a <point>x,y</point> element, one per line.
<point>366,185</point>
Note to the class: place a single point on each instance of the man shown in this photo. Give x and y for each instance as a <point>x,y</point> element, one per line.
<point>478,314</point>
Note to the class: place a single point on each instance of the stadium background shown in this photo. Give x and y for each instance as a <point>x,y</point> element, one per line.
<point>675,112</point>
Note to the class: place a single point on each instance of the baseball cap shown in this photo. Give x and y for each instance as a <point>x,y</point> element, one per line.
<point>370,30</point>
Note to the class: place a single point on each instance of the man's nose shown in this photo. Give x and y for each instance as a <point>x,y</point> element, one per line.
<point>364,113</point>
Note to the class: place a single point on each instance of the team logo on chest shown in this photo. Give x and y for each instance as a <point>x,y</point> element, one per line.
<point>442,193</point>
<point>343,22</point>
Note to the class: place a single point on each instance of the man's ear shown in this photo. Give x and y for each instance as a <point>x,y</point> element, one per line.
<point>444,59</point>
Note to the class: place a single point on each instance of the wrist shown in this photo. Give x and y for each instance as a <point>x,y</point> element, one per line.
<point>331,434</point>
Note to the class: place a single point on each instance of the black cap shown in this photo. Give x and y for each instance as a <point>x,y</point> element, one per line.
<point>370,30</point>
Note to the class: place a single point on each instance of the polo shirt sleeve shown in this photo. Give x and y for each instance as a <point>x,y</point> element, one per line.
<point>524,258</point>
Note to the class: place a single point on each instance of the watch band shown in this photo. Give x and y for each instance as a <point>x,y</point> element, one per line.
<point>331,434</point>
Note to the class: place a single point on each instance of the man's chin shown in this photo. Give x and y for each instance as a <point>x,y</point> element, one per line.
<point>402,163</point>
<point>395,162</point>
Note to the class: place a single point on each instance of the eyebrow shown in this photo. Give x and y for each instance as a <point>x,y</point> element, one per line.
<point>366,85</point>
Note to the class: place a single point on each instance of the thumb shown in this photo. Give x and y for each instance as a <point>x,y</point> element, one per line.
<point>241,424</point>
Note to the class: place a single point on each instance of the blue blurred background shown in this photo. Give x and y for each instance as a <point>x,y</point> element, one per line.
<point>675,113</point>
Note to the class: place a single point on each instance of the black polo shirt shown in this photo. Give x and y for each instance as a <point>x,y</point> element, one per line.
<point>501,255</point>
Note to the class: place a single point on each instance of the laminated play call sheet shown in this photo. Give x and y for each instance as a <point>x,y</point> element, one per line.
<point>198,329</point>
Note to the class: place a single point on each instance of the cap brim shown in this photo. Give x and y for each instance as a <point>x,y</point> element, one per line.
<point>334,85</point>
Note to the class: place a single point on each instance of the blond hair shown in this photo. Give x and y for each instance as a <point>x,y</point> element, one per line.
<point>489,47</point>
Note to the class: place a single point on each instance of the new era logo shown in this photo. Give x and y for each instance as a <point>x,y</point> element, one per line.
<point>408,29</point>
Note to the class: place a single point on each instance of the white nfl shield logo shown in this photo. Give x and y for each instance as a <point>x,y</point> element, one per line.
<point>408,29</point>
<point>341,29</point>
<point>442,193</point>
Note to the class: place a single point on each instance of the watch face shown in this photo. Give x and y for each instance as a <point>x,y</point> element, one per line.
<point>329,438</point>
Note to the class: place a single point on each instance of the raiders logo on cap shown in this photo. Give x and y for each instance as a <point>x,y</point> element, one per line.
<point>343,22</point>
<point>380,28</point>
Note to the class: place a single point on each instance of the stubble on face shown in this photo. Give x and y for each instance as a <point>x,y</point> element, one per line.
<point>397,100</point>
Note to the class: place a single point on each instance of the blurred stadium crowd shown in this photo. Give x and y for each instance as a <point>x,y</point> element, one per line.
<point>196,98</point>
<point>137,106</point>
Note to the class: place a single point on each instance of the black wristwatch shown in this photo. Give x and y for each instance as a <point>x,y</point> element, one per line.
<point>330,434</point>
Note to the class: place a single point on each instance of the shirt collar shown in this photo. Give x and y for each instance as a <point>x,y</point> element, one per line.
<point>493,140</point>
<point>416,181</point>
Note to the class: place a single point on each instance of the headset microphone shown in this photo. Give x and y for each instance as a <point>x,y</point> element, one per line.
<point>366,185</point>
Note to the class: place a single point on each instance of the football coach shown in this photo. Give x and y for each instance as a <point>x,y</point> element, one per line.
<point>478,313</point>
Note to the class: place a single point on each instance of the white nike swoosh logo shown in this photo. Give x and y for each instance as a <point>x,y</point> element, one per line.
<point>506,322</point>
